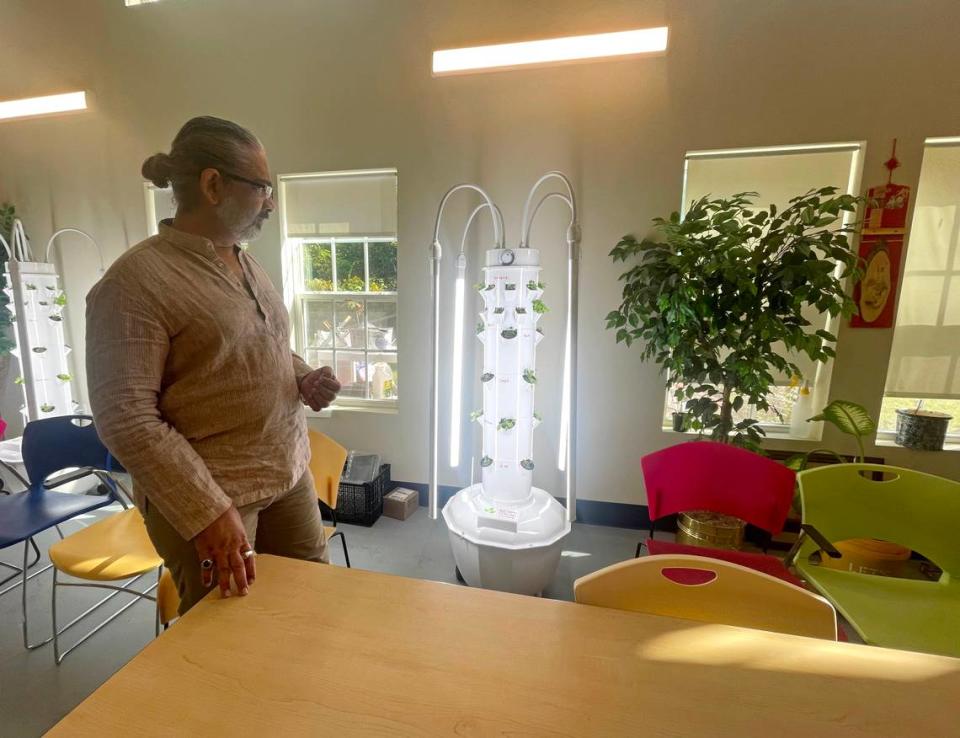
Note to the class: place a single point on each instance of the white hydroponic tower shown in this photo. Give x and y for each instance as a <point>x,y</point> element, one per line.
<point>505,533</point>
<point>37,304</point>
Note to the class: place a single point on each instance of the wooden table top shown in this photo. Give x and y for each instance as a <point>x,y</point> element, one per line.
<point>323,650</point>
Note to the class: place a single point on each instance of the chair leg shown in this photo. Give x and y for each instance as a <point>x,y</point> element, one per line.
<point>53,615</point>
<point>116,590</point>
<point>343,542</point>
<point>156,627</point>
<point>17,572</point>
<point>23,606</point>
<point>637,554</point>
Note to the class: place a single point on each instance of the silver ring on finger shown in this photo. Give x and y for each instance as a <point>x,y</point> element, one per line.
<point>249,553</point>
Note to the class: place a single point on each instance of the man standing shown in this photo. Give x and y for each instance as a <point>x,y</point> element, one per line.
<point>192,382</point>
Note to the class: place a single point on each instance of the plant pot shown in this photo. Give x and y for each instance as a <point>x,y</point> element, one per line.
<point>922,430</point>
<point>679,422</point>
<point>710,529</point>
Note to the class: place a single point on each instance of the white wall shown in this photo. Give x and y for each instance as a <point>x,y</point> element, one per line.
<point>345,84</point>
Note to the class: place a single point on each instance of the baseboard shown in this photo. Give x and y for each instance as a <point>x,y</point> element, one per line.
<point>590,512</point>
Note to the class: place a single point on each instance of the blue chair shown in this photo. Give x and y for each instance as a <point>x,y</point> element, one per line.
<point>49,446</point>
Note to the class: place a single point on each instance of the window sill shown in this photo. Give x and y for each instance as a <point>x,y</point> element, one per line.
<point>372,409</point>
<point>951,445</point>
<point>773,433</point>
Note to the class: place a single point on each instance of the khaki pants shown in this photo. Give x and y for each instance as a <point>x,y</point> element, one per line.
<point>286,525</point>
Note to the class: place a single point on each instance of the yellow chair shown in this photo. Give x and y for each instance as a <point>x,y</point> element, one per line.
<point>327,458</point>
<point>113,549</point>
<point>710,591</point>
<point>168,600</point>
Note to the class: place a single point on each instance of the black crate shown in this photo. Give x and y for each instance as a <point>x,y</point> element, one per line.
<point>362,504</point>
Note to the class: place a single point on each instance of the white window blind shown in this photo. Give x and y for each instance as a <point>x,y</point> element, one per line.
<point>160,205</point>
<point>777,174</point>
<point>341,204</point>
<point>925,357</point>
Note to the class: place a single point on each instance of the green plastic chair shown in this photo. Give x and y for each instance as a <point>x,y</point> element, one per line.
<point>921,511</point>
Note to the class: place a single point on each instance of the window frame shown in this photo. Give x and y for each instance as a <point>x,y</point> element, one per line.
<point>950,274</point>
<point>824,368</point>
<point>304,297</point>
<point>298,297</point>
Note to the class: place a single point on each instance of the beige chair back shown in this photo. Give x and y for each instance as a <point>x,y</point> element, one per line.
<point>710,591</point>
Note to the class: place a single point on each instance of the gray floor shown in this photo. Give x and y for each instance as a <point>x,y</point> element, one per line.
<point>35,694</point>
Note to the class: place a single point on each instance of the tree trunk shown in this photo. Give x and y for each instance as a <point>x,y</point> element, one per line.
<point>726,414</point>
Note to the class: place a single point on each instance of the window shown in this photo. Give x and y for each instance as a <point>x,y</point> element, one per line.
<point>777,174</point>
<point>925,356</point>
<point>160,205</point>
<point>340,278</point>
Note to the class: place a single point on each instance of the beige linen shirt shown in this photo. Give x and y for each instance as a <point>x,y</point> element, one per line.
<point>192,382</point>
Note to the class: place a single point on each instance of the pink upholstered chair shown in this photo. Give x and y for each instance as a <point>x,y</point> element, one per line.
<point>704,475</point>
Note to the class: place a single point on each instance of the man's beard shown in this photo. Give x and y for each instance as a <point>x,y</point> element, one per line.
<point>244,224</point>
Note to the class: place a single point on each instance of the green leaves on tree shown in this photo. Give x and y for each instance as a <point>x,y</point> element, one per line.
<point>719,298</point>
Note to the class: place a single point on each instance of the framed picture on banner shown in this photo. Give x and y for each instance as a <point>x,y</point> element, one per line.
<point>886,208</point>
<point>875,293</point>
<point>881,245</point>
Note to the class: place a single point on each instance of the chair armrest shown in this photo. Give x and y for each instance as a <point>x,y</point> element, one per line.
<point>112,482</point>
<point>71,477</point>
<point>821,541</point>
<point>12,470</point>
<point>818,538</point>
<point>104,477</point>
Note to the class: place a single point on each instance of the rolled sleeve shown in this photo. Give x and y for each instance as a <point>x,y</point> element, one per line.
<point>300,368</point>
<point>127,347</point>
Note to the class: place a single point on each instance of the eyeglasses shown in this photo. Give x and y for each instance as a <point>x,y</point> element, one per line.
<point>265,188</point>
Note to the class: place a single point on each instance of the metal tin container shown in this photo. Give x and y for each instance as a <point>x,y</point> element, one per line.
<point>710,529</point>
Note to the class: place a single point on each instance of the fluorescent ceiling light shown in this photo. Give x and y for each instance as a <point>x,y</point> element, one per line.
<point>130,3</point>
<point>550,51</point>
<point>47,105</point>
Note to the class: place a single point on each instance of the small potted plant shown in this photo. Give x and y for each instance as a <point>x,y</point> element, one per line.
<point>677,416</point>
<point>923,430</point>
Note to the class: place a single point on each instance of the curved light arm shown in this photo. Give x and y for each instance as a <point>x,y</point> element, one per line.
<point>533,216</point>
<point>6,247</point>
<point>497,222</point>
<point>77,231</point>
<point>466,228</point>
<point>436,254</point>
<point>525,225</point>
<point>21,246</point>
<point>567,446</point>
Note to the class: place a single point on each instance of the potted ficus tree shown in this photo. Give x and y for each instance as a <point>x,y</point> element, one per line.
<point>718,299</point>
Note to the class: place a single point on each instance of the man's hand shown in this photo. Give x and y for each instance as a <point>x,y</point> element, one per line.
<point>319,388</point>
<point>224,542</point>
